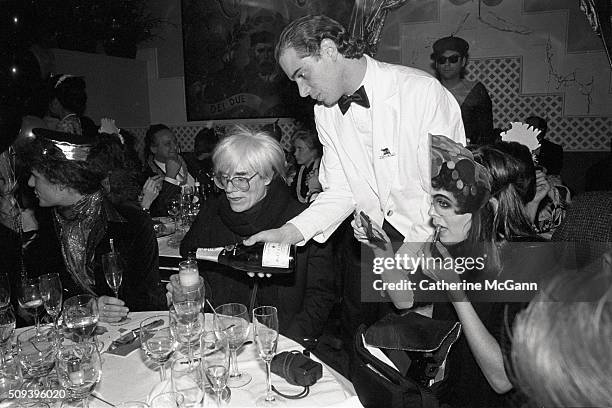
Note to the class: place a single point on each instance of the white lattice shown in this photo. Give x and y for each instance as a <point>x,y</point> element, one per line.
<point>502,78</point>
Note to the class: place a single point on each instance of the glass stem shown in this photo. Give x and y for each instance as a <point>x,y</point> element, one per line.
<point>85,402</point>
<point>162,371</point>
<point>269,394</point>
<point>234,363</point>
<point>37,323</point>
<point>116,292</point>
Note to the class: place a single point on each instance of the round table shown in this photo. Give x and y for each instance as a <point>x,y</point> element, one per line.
<point>130,378</point>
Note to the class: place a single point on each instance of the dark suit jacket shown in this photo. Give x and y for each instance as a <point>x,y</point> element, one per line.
<point>551,157</point>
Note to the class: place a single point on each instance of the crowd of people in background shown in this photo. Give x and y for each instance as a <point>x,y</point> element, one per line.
<point>417,155</point>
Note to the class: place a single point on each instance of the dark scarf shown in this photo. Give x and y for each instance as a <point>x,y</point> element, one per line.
<point>262,216</point>
<point>80,227</point>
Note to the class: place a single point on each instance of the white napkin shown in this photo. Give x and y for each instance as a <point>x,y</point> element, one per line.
<point>159,388</point>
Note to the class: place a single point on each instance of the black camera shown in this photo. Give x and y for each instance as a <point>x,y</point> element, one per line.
<point>296,368</point>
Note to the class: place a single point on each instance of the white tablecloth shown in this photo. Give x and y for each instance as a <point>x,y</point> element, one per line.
<point>130,378</point>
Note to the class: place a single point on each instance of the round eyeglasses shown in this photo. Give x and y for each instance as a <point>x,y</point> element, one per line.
<point>453,59</point>
<point>240,183</point>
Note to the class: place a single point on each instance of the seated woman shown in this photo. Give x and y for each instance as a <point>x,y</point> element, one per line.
<point>82,223</point>
<point>163,158</point>
<point>249,167</point>
<point>67,103</point>
<point>307,152</point>
<point>478,209</point>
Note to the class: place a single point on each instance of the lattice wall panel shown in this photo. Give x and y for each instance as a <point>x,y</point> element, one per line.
<point>502,78</point>
<point>186,134</point>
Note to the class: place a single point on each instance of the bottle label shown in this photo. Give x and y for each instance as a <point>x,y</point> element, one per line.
<point>275,255</point>
<point>209,254</point>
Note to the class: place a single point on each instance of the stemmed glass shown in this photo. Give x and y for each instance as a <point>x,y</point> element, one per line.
<point>36,355</point>
<point>79,369</point>
<point>214,349</point>
<point>30,300</point>
<point>157,341</point>
<point>7,328</point>
<point>113,273</point>
<point>233,320</point>
<point>174,211</point>
<point>265,328</point>
<point>81,315</point>
<point>188,322</point>
<point>187,379</point>
<point>51,293</point>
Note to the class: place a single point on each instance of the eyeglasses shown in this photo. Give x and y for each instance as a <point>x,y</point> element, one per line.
<point>453,59</point>
<point>239,182</point>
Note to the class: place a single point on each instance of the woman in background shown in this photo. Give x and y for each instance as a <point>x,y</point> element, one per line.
<point>307,152</point>
<point>450,55</point>
<point>67,103</point>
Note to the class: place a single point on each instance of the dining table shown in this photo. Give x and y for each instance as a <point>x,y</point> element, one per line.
<point>134,378</point>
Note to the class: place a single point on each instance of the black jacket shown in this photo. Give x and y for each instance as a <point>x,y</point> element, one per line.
<point>304,299</point>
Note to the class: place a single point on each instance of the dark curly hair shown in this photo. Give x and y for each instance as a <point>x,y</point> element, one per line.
<point>70,92</point>
<point>305,34</point>
<point>44,157</point>
<point>110,156</point>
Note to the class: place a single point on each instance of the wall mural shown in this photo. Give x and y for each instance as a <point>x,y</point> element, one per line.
<point>230,70</point>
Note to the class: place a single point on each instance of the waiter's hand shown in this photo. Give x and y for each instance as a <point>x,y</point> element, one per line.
<point>287,234</point>
<point>111,309</point>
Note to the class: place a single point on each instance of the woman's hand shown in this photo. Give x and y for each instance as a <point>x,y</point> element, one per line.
<point>150,191</point>
<point>442,271</point>
<point>111,309</point>
<point>107,125</point>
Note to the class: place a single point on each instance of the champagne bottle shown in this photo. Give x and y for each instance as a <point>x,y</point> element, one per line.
<point>265,257</point>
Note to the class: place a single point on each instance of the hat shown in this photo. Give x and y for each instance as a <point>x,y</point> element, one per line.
<point>453,168</point>
<point>72,146</point>
<point>451,43</point>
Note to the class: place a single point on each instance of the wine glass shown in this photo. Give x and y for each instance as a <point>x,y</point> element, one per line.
<point>188,323</point>
<point>30,299</point>
<point>157,341</point>
<point>214,349</point>
<point>7,328</point>
<point>51,292</point>
<point>81,315</point>
<point>113,273</point>
<point>36,351</point>
<point>168,400</point>
<point>233,320</point>
<point>265,328</point>
<point>10,375</point>
<point>79,369</point>
<point>187,379</point>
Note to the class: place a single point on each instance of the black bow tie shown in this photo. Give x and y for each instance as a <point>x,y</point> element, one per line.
<point>359,97</point>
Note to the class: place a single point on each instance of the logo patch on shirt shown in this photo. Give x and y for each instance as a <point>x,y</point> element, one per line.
<point>385,153</point>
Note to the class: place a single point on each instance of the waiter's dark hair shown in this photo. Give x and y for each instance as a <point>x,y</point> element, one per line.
<point>306,33</point>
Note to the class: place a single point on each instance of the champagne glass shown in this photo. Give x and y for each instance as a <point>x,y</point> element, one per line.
<point>174,210</point>
<point>79,370</point>
<point>7,328</point>
<point>265,328</point>
<point>30,300</point>
<point>81,315</point>
<point>233,320</point>
<point>113,273</point>
<point>157,341</point>
<point>36,355</point>
<point>214,349</point>
<point>51,292</point>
